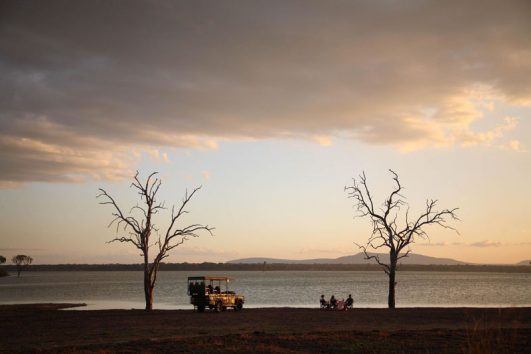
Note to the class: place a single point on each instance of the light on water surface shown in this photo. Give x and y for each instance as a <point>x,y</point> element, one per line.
<point>124,289</point>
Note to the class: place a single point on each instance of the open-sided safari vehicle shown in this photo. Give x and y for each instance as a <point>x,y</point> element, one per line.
<point>213,292</point>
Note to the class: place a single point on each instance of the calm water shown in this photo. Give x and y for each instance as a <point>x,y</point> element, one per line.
<point>268,289</point>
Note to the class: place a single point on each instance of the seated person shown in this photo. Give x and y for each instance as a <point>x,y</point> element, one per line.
<point>210,289</point>
<point>217,290</point>
<point>341,305</point>
<point>333,302</point>
<point>323,302</point>
<point>349,302</point>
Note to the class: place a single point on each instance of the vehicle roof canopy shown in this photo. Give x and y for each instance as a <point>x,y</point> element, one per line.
<point>203,278</point>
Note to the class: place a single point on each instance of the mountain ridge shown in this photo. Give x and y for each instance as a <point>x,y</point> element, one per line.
<point>358,258</point>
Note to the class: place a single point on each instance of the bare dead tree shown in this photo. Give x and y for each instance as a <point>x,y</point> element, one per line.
<point>140,230</point>
<point>21,261</point>
<point>388,231</point>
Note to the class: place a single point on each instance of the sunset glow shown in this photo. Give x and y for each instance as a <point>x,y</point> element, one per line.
<point>272,107</point>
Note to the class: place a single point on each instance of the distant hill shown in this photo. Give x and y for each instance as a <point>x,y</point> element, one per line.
<point>358,258</point>
<point>526,262</point>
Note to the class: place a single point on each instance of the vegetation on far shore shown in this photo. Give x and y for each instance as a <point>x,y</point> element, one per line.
<point>207,266</point>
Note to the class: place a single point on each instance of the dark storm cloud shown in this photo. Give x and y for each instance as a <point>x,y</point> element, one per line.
<point>83,82</point>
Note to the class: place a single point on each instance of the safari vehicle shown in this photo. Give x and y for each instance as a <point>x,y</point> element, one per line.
<point>213,292</point>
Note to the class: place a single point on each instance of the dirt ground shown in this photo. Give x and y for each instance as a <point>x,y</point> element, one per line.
<point>51,328</point>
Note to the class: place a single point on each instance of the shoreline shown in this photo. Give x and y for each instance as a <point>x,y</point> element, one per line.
<point>73,305</point>
<point>26,328</point>
<point>112,305</point>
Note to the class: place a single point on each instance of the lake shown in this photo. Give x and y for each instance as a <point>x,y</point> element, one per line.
<point>124,289</point>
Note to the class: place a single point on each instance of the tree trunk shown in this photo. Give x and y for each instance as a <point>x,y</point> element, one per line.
<point>148,289</point>
<point>149,298</point>
<point>392,281</point>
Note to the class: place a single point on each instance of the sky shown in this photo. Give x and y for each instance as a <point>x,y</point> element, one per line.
<point>272,107</point>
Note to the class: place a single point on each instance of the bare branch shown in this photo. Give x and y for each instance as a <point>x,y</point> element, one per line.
<point>390,203</point>
<point>119,215</point>
<point>374,256</point>
<point>125,239</point>
<point>403,255</point>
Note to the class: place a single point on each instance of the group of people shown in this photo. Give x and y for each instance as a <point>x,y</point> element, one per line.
<point>199,288</point>
<point>335,304</point>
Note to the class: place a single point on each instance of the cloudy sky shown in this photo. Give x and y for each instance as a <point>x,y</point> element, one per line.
<point>272,106</point>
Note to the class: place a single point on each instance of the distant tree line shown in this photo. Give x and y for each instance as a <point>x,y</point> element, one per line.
<point>207,266</point>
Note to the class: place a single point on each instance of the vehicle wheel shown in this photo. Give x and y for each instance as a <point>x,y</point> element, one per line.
<point>219,306</point>
<point>239,306</point>
<point>201,308</point>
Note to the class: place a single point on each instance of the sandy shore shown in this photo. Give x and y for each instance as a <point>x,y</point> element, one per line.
<point>47,328</point>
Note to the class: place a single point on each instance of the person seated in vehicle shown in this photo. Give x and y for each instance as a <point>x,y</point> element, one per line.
<point>340,305</point>
<point>349,302</point>
<point>195,288</point>
<point>217,290</point>
<point>324,304</point>
<point>210,289</point>
<point>333,302</point>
